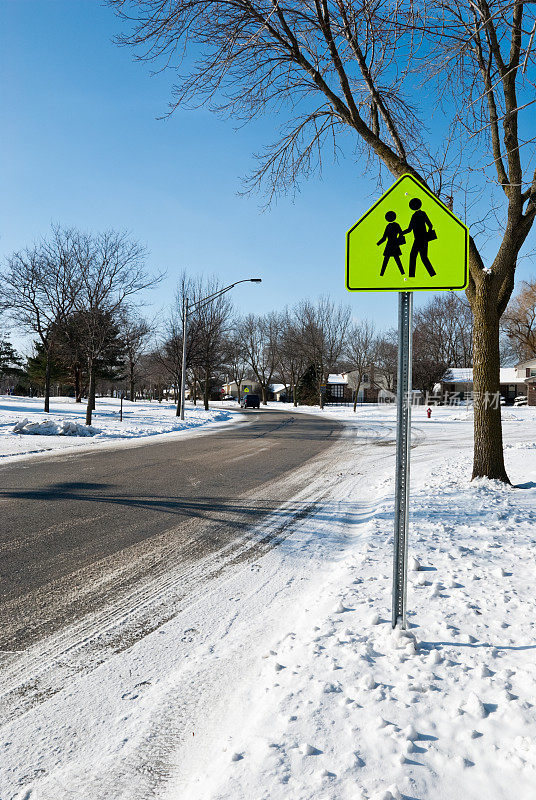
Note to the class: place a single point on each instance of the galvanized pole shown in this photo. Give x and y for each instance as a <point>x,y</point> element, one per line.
<point>183,371</point>
<point>403,446</point>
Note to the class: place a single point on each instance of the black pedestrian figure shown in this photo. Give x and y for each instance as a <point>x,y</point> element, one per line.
<point>423,232</point>
<point>394,237</point>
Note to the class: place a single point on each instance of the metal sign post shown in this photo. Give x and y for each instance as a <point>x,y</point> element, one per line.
<point>408,241</point>
<point>403,448</point>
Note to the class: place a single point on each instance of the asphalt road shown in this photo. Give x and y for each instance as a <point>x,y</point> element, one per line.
<point>79,529</point>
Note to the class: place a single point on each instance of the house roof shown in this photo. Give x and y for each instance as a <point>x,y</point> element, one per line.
<point>456,375</point>
<point>524,364</point>
<point>465,375</point>
<point>509,375</point>
<point>338,379</point>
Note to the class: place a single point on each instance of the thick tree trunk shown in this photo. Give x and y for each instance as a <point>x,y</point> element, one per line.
<point>263,393</point>
<point>47,383</point>
<point>294,395</point>
<point>91,396</point>
<point>488,458</point>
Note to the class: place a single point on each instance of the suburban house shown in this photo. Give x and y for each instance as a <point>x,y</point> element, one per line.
<point>340,389</point>
<point>528,368</point>
<point>277,390</point>
<point>514,381</point>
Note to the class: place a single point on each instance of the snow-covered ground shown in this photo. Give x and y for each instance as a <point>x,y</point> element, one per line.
<point>282,679</point>
<point>26,430</point>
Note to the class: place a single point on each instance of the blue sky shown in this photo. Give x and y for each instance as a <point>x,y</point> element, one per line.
<point>82,146</point>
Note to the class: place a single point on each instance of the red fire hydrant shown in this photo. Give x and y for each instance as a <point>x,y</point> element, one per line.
<point>428,412</point>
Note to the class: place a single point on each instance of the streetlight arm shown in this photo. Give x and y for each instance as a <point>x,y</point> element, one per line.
<point>205,300</point>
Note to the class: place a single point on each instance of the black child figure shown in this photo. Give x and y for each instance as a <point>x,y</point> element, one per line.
<point>423,232</point>
<point>394,237</point>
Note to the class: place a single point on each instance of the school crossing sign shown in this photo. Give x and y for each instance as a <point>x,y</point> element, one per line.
<point>408,241</point>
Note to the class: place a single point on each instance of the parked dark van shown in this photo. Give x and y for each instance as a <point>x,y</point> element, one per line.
<point>250,401</point>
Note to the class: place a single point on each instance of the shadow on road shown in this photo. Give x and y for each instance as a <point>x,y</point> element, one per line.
<point>210,509</point>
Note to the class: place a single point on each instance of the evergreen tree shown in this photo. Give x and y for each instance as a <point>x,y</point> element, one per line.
<point>10,363</point>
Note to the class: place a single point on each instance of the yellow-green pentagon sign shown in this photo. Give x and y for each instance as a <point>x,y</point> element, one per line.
<point>408,241</point>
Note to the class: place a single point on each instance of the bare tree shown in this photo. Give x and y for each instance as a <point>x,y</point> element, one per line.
<point>519,322</point>
<point>152,377</point>
<point>69,347</point>
<point>369,68</point>
<point>427,367</point>
<point>135,332</point>
<point>324,327</point>
<point>208,327</point>
<point>236,362</point>
<point>259,335</point>
<point>386,359</point>
<point>169,354</point>
<point>112,269</point>
<point>291,355</point>
<point>170,349</point>
<point>360,353</point>
<point>39,289</point>
<point>445,326</point>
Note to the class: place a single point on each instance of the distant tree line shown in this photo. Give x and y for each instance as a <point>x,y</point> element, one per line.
<point>76,292</point>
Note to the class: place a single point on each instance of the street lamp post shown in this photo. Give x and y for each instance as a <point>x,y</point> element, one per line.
<point>188,309</point>
<point>183,370</point>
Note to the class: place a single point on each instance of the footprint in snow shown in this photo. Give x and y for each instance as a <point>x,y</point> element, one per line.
<point>188,635</point>
<point>310,750</point>
<point>133,694</point>
<point>326,774</point>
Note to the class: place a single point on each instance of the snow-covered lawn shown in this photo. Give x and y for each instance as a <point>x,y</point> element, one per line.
<point>26,430</point>
<point>339,706</point>
<point>282,679</point>
<point>342,707</point>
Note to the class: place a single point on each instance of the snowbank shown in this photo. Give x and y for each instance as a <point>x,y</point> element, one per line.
<point>64,427</point>
<point>50,427</point>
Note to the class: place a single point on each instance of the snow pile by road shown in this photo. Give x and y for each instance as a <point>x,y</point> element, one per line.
<point>50,427</point>
<point>64,426</point>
